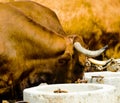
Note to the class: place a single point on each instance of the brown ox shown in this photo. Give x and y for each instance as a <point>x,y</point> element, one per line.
<point>35,49</point>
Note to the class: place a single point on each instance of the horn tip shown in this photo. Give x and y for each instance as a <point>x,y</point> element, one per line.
<point>105,47</point>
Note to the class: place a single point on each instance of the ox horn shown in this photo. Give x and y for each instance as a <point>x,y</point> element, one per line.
<point>98,62</point>
<point>87,52</point>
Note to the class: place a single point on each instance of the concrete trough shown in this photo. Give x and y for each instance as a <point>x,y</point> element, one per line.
<point>70,93</point>
<point>109,78</point>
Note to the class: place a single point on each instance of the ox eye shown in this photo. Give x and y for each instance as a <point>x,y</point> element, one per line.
<point>73,56</point>
<point>63,61</point>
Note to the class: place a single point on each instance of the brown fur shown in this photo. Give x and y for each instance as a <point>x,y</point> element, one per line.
<point>34,49</point>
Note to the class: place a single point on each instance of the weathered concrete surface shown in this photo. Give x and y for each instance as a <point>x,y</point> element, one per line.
<point>76,93</point>
<point>110,78</point>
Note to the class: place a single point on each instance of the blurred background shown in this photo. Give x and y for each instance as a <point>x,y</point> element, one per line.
<point>97,21</point>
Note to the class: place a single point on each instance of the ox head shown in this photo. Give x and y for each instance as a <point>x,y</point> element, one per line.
<point>34,49</point>
<point>77,53</point>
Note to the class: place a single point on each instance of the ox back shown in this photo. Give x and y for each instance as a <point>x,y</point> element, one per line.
<point>33,49</point>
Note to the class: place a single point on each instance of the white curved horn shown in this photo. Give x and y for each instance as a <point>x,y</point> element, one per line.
<point>98,62</point>
<point>117,60</point>
<point>87,52</point>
